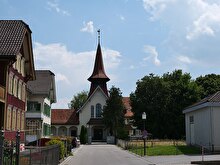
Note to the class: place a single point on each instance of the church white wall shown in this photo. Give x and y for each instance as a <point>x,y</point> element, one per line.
<point>85,113</point>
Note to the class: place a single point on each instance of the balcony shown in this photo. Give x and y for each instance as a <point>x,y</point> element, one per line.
<point>2,93</point>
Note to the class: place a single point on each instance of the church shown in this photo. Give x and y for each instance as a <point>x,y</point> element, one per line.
<point>89,115</point>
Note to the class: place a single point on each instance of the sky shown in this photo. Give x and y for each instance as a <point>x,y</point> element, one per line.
<point>138,37</point>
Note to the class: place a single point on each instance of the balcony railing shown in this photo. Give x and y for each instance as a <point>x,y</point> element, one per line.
<point>2,93</point>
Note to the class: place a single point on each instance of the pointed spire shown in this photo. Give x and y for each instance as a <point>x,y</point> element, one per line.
<point>98,71</point>
<point>98,36</point>
<point>98,77</point>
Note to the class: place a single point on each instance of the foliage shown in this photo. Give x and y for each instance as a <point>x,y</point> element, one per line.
<point>61,146</point>
<point>163,99</point>
<point>83,135</point>
<point>210,84</point>
<point>113,112</point>
<point>122,133</point>
<point>78,100</point>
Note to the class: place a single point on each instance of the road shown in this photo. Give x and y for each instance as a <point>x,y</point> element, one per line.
<point>103,155</point>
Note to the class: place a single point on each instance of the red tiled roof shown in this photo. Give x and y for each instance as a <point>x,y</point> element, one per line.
<point>126,102</point>
<point>64,117</point>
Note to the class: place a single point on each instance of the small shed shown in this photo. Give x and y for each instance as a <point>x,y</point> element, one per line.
<point>202,121</point>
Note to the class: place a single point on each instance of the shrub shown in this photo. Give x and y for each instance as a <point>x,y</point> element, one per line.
<point>61,146</point>
<point>83,135</point>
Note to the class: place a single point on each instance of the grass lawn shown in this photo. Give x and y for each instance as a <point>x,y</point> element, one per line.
<point>166,150</point>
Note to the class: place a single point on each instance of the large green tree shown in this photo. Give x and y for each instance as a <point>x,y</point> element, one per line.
<point>209,84</point>
<point>113,112</point>
<point>163,99</point>
<point>79,99</point>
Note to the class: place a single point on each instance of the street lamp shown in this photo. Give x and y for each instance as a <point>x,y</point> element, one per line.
<point>144,117</point>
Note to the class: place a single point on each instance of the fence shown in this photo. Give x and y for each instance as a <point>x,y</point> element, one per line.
<point>48,155</point>
<point>10,153</point>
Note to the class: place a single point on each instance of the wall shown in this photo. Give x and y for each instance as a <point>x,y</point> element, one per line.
<point>85,113</point>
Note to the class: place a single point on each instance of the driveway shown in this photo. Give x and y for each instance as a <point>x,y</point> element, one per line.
<point>103,155</point>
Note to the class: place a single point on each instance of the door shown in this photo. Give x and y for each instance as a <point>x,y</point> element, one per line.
<point>98,134</point>
<point>192,134</point>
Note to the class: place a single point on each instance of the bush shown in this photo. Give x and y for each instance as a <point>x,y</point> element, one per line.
<point>61,146</point>
<point>83,135</point>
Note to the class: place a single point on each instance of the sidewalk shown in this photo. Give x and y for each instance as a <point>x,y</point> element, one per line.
<point>180,159</point>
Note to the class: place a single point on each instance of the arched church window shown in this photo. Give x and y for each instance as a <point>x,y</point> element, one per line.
<point>92,111</point>
<point>98,110</point>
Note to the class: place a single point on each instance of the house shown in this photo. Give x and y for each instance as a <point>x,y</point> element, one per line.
<point>16,69</point>
<point>203,124</point>
<point>40,96</point>
<point>128,116</point>
<point>64,122</point>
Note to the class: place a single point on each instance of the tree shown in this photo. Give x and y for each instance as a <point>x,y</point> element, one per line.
<point>83,135</point>
<point>79,99</point>
<point>163,99</point>
<point>113,112</point>
<point>209,84</point>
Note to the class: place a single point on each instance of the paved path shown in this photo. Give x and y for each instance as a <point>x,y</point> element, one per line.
<point>102,154</point>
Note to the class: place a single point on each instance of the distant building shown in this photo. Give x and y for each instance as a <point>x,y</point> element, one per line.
<point>202,121</point>
<point>41,95</point>
<point>64,122</point>
<point>16,69</point>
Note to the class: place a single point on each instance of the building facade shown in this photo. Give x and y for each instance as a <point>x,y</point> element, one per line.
<point>203,124</point>
<point>41,95</point>
<point>16,55</point>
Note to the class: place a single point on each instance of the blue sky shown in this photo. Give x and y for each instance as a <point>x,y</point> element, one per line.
<point>138,37</point>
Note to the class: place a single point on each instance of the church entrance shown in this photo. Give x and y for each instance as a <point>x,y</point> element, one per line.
<point>98,134</point>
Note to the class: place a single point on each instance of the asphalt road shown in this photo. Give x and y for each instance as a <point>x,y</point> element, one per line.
<point>103,155</point>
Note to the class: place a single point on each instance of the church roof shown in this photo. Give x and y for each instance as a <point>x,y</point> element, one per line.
<point>98,71</point>
<point>64,117</point>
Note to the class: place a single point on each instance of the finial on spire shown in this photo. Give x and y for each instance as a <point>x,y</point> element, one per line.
<point>98,35</point>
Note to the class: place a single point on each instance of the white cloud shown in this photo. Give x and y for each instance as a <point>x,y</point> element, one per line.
<point>152,52</point>
<point>88,27</point>
<point>55,6</point>
<point>72,69</point>
<point>184,59</point>
<point>207,21</point>
<point>156,7</point>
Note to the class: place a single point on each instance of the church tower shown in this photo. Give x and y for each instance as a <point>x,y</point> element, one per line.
<point>98,77</point>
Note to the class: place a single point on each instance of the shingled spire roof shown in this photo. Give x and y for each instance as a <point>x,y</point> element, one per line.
<point>98,77</point>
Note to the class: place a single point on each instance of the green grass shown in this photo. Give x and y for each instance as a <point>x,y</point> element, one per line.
<point>166,150</point>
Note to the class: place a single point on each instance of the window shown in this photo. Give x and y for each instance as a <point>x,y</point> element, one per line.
<point>19,89</point>
<point>23,93</point>
<point>10,88</point>
<point>9,119</point>
<point>22,66</point>
<point>33,127</point>
<point>191,119</point>
<point>22,121</point>
<point>33,106</point>
<point>14,119</point>
<point>46,109</point>
<point>15,84</point>
<point>18,119</point>
<point>92,111</point>
<point>98,110</point>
